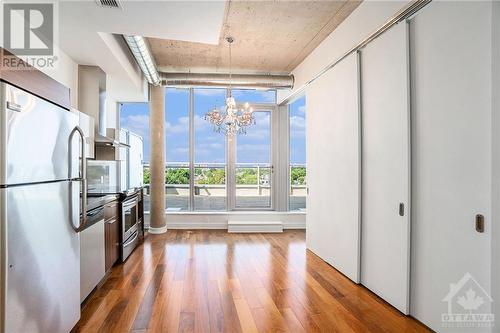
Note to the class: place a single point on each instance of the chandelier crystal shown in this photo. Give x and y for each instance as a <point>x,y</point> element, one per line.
<point>231,120</point>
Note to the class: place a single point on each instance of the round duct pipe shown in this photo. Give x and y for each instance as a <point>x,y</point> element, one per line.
<point>142,54</point>
<point>256,81</point>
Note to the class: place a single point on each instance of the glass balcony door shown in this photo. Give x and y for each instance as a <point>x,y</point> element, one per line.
<point>253,172</point>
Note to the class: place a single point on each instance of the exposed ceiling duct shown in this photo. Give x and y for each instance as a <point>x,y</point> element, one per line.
<point>142,54</point>
<point>256,81</point>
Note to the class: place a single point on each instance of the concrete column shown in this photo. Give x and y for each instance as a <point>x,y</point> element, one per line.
<point>157,162</point>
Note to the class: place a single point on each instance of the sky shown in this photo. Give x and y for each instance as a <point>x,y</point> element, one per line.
<point>254,147</point>
<point>298,131</point>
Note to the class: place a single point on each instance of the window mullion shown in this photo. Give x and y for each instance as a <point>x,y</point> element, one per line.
<point>191,149</point>
<point>230,171</point>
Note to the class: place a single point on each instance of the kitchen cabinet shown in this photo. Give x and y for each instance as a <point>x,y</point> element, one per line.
<point>86,123</point>
<point>33,80</point>
<point>135,159</point>
<point>111,234</point>
<point>92,259</point>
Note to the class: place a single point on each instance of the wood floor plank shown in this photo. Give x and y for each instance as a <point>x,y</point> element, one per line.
<point>173,309</point>
<point>212,281</point>
<point>245,316</point>
<point>291,321</point>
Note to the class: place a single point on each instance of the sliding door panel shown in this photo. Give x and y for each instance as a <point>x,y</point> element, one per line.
<point>451,127</point>
<point>385,170</point>
<point>333,167</point>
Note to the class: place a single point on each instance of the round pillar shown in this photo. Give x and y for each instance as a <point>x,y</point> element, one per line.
<point>157,161</point>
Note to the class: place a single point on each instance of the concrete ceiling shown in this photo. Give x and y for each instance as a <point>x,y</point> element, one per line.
<point>270,37</point>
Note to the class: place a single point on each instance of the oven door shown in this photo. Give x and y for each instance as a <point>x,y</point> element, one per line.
<point>129,217</point>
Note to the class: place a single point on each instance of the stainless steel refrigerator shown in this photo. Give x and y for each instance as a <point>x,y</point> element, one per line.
<point>42,179</point>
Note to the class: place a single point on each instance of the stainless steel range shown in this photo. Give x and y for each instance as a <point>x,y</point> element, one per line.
<point>130,219</point>
<point>131,216</point>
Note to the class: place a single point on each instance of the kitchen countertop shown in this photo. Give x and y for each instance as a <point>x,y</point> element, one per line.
<point>110,190</point>
<point>98,201</point>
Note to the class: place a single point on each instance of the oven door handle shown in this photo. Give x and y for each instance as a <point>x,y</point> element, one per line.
<point>136,234</point>
<point>129,203</point>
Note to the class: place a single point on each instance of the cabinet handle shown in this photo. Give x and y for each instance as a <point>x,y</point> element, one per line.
<point>111,221</point>
<point>401,209</point>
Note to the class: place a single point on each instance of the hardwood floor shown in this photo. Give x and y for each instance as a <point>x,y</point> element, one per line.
<point>212,281</point>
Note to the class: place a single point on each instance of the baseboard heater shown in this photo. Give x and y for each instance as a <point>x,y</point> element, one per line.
<point>254,226</point>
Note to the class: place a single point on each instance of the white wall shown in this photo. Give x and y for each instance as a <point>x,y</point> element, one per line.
<point>369,16</point>
<point>495,241</point>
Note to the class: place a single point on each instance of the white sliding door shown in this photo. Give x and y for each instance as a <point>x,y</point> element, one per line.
<point>451,127</point>
<point>385,201</point>
<point>333,167</point>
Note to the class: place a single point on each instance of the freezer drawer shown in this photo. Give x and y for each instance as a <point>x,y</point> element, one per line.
<point>42,266</point>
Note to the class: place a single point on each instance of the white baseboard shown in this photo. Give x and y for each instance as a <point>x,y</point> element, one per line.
<point>294,225</point>
<point>218,220</point>
<point>254,226</point>
<point>200,225</point>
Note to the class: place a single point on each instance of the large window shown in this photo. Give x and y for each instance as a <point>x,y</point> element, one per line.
<point>255,96</point>
<point>177,173</point>
<point>206,171</point>
<point>298,171</point>
<point>209,153</point>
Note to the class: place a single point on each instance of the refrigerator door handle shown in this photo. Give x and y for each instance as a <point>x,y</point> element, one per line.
<point>82,178</point>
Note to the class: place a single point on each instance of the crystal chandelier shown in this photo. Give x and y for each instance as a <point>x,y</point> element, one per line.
<point>231,120</point>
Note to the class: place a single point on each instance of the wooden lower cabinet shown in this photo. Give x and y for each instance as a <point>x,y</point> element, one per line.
<point>111,234</point>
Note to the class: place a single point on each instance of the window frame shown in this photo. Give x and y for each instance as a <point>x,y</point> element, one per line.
<point>232,147</point>
<point>289,162</point>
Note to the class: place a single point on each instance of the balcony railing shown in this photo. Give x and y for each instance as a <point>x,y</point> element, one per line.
<point>210,187</point>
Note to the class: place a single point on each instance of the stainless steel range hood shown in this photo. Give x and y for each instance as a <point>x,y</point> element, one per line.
<point>107,148</point>
<point>108,141</point>
<point>92,101</point>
